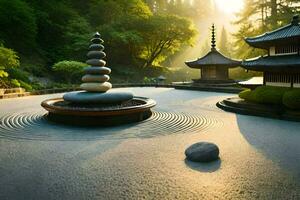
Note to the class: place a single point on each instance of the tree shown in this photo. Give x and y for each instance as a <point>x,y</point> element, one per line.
<point>164,35</point>
<point>270,13</point>
<point>77,34</point>
<point>224,43</point>
<point>18,25</point>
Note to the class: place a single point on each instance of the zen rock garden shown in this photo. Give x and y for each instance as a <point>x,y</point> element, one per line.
<point>103,135</point>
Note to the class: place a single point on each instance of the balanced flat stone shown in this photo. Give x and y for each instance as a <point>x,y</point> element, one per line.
<point>97,41</point>
<point>97,70</point>
<point>89,78</point>
<point>96,47</point>
<point>96,62</point>
<point>96,87</point>
<point>202,152</point>
<point>96,54</point>
<point>98,98</point>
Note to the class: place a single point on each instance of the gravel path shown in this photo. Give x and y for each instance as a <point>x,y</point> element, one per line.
<point>260,158</point>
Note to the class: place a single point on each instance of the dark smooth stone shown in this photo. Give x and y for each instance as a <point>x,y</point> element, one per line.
<point>97,70</point>
<point>202,152</point>
<point>96,62</point>
<point>98,98</point>
<point>90,78</point>
<point>96,47</point>
<point>97,41</point>
<point>96,54</point>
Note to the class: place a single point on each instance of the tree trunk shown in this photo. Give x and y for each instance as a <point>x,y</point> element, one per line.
<point>274,13</point>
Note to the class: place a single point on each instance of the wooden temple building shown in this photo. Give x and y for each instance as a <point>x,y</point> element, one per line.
<point>281,67</point>
<point>214,66</point>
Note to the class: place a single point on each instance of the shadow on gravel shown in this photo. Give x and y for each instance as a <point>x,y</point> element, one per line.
<point>204,167</point>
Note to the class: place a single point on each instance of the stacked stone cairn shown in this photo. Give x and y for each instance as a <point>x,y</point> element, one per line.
<point>96,76</point>
<point>95,80</point>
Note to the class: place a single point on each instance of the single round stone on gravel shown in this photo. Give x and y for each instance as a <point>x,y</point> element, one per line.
<point>202,152</point>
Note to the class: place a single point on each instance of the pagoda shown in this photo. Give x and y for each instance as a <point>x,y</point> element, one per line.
<point>281,66</point>
<point>214,66</point>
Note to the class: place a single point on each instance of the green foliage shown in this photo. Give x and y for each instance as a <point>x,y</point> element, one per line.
<point>258,17</point>
<point>265,95</point>
<point>18,25</point>
<point>247,95</point>
<point>25,85</point>
<point>136,34</point>
<point>3,74</point>
<point>16,73</point>
<point>70,71</point>
<point>148,80</point>
<point>288,97</point>
<point>291,99</point>
<point>224,44</point>
<point>163,35</point>
<point>15,83</point>
<point>8,60</point>
<point>76,37</point>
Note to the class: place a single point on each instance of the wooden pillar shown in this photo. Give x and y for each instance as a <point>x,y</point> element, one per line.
<point>201,73</point>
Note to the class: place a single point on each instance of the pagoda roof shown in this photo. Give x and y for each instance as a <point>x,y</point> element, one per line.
<point>213,58</point>
<point>283,63</point>
<point>290,32</point>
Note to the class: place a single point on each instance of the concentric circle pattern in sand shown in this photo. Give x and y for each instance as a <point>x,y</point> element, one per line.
<point>34,126</point>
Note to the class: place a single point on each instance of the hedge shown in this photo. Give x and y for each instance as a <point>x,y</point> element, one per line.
<point>291,99</point>
<point>265,95</point>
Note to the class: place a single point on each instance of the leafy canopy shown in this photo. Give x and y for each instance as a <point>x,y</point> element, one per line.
<point>8,59</point>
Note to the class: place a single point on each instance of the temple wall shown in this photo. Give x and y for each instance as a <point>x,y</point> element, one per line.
<point>214,73</point>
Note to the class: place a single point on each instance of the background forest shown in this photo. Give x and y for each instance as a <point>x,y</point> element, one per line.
<point>43,43</point>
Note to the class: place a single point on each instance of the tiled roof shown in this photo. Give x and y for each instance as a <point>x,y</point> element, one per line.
<point>284,63</point>
<point>213,58</point>
<point>290,31</point>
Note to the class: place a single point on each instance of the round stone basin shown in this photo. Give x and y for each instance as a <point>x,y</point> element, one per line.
<point>135,110</point>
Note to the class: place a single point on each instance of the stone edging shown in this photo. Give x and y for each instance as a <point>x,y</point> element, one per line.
<point>240,106</point>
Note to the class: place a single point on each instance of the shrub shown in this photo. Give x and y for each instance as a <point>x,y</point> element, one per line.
<point>15,83</point>
<point>16,73</point>
<point>245,94</point>
<point>70,71</point>
<point>148,80</point>
<point>25,85</point>
<point>270,95</point>
<point>291,99</point>
<point>8,58</point>
<point>265,94</point>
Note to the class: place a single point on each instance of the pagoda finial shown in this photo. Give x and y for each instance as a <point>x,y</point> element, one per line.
<point>295,20</point>
<point>213,37</point>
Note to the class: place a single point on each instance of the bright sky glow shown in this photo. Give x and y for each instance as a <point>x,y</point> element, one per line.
<point>230,6</point>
